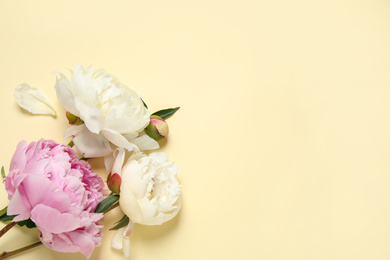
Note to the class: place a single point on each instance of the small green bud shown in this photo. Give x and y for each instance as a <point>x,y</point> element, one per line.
<point>157,128</point>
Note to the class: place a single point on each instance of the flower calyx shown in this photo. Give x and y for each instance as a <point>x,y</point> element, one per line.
<point>74,120</point>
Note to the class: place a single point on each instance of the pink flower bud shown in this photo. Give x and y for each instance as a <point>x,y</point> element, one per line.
<point>157,128</point>
<point>114,182</point>
<point>74,120</point>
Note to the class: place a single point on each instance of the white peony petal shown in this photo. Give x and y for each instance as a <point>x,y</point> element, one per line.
<point>126,238</point>
<point>162,217</point>
<point>89,144</point>
<point>129,203</point>
<point>144,142</point>
<point>91,115</point>
<point>114,161</point>
<point>117,238</point>
<point>159,156</point>
<point>33,100</point>
<point>126,246</point>
<point>121,238</point>
<point>65,95</point>
<point>117,139</point>
<point>120,158</point>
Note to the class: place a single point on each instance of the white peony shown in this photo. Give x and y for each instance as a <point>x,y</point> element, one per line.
<point>112,113</point>
<point>150,193</point>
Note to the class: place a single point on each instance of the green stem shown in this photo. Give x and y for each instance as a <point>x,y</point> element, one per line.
<point>3,211</point>
<point>7,227</point>
<point>5,254</point>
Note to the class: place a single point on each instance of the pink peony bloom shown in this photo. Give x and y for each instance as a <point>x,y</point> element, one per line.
<point>58,192</point>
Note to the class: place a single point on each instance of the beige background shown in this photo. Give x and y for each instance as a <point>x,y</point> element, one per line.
<point>283,137</point>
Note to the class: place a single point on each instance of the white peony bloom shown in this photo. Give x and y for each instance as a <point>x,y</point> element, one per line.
<point>150,193</point>
<point>112,113</point>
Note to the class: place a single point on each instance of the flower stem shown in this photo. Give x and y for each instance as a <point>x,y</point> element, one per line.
<point>7,227</point>
<point>5,254</point>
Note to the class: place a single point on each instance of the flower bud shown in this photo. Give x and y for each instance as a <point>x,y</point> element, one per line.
<point>74,120</point>
<point>157,128</point>
<point>114,182</point>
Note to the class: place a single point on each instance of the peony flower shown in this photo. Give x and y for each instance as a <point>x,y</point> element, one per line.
<point>58,192</point>
<point>149,193</point>
<point>112,113</point>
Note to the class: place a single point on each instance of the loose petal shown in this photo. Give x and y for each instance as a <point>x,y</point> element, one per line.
<point>33,100</point>
<point>116,241</point>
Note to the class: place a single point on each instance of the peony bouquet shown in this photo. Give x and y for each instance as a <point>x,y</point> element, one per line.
<point>53,188</point>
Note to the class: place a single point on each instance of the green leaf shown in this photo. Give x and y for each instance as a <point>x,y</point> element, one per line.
<point>121,223</point>
<point>5,218</point>
<point>28,223</point>
<point>106,203</point>
<point>165,113</point>
<point>3,172</point>
<point>144,103</point>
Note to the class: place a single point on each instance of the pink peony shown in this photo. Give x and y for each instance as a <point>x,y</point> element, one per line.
<point>58,192</point>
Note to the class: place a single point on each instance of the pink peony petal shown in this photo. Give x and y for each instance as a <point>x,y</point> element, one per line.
<point>19,206</point>
<point>40,190</point>
<point>47,218</point>
<point>86,244</point>
<point>18,160</point>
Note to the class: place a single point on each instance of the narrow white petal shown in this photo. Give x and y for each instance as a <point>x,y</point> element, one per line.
<point>126,238</point>
<point>144,142</point>
<point>118,163</point>
<point>126,246</point>
<point>33,100</point>
<point>114,161</point>
<point>116,240</point>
